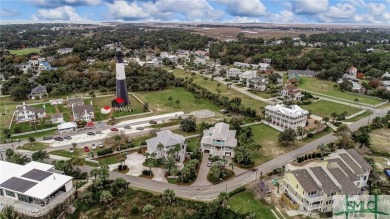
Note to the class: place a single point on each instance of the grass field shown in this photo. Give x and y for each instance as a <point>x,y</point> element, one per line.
<point>359,117</point>
<point>212,87</point>
<point>101,102</point>
<point>380,140</point>
<point>321,86</point>
<point>159,103</point>
<point>325,108</point>
<point>36,146</point>
<point>24,51</point>
<point>245,202</point>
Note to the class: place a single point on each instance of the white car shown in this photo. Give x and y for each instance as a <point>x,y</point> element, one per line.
<point>100,145</point>
<point>93,146</point>
<point>71,150</point>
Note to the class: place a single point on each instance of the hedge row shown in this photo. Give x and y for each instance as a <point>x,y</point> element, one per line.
<point>236,191</point>
<point>105,152</point>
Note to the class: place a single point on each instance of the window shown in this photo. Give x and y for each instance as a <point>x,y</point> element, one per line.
<point>1,192</point>
<point>9,193</point>
<point>365,178</point>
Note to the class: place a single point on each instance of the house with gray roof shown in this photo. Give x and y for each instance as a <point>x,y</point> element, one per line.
<point>84,112</point>
<point>39,91</point>
<point>168,140</point>
<point>74,101</point>
<point>219,140</point>
<point>257,83</point>
<point>312,187</point>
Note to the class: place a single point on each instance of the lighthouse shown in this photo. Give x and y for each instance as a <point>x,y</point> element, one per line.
<point>122,97</point>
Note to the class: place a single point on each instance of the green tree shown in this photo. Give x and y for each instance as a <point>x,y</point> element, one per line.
<point>223,197</point>
<point>287,137</point>
<point>9,213</point>
<point>94,173</point>
<point>18,158</point>
<point>41,156</point>
<point>232,165</point>
<point>177,102</point>
<point>104,172</point>
<point>118,138</point>
<point>32,140</point>
<point>7,133</point>
<point>106,196</point>
<point>160,148</point>
<point>8,154</point>
<point>168,196</point>
<point>188,124</point>
<point>344,135</point>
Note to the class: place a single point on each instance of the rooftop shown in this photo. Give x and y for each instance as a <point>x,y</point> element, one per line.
<point>293,110</point>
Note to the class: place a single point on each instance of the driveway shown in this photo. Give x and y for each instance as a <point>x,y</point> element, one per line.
<point>201,180</point>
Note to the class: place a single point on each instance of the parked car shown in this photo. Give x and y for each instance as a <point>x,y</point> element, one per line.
<point>68,137</point>
<point>114,129</point>
<point>99,132</point>
<point>90,133</point>
<point>71,150</point>
<point>153,122</point>
<point>93,146</point>
<point>100,145</point>
<point>209,163</point>
<point>127,127</point>
<point>86,149</point>
<point>140,128</point>
<point>58,138</point>
<point>47,137</point>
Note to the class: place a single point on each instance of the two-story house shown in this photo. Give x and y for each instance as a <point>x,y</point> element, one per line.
<point>257,83</point>
<point>291,92</point>
<point>312,187</point>
<point>84,112</point>
<point>74,101</point>
<point>169,141</point>
<point>219,140</point>
<point>26,113</point>
<point>39,91</point>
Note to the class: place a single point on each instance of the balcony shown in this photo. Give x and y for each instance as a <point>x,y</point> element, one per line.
<point>314,207</point>
<point>314,198</point>
<point>289,202</point>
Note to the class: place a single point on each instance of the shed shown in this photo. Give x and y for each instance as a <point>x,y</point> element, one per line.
<point>105,110</point>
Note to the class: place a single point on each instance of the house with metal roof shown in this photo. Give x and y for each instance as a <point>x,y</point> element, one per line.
<point>311,188</point>
<point>66,127</point>
<point>169,141</point>
<point>219,140</point>
<point>33,188</point>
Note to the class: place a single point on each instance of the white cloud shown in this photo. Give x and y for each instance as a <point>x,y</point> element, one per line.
<point>244,8</point>
<point>310,6</point>
<point>239,19</point>
<point>8,13</point>
<point>341,11</point>
<point>60,3</point>
<point>61,13</point>
<point>283,16</point>
<point>376,9</point>
<point>124,10</point>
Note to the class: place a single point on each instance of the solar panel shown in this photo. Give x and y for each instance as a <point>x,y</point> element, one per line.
<point>37,175</point>
<point>17,184</point>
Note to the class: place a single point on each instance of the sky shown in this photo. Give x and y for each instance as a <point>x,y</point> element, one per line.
<point>235,11</point>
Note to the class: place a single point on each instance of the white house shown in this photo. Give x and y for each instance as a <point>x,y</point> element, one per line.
<point>57,118</point>
<point>26,113</point>
<point>219,140</point>
<point>264,66</point>
<point>84,112</point>
<point>291,92</point>
<point>283,117</point>
<point>105,110</point>
<point>66,127</point>
<point>153,64</point>
<point>386,75</point>
<point>242,65</point>
<point>233,72</point>
<point>64,51</point>
<point>56,101</point>
<point>33,184</point>
<point>257,83</point>
<point>245,76</point>
<point>168,140</point>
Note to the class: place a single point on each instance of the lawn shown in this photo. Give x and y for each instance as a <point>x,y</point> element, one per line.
<point>27,126</point>
<point>359,117</point>
<point>325,108</point>
<point>245,202</point>
<point>166,124</point>
<point>36,135</point>
<point>101,102</point>
<point>180,132</point>
<point>159,103</point>
<point>212,87</point>
<point>380,139</point>
<point>321,86</point>
<point>65,153</point>
<point>108,160</point>
<point>262,94</point>
<point>24,51</point>
<point>193,143</point>
<point>67,112</point>
<point>49,108</point>
<point>36,146</point>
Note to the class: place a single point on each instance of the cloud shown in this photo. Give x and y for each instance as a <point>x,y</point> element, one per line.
<point>310,7</point>
<point>283,16</point>
<point>244,8</point>
<point>66,13</point>
<point>340,11</point>
<point>126,11</point>
<point>239,19</point>
<point>60,3</point>
<point>376,9</point>
<point>8,13</point>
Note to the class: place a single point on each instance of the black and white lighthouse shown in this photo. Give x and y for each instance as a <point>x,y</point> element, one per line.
<point>122,97</point>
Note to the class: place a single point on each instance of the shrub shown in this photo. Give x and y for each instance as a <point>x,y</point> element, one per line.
<point>310,135</point>
<point>105,152</point>
<point>313,155</point>
<point>147,172</point>
<point>305,157</point>
<point>309,156</point>
<point>80,183</point>
<point>143,143</point>
<point>236,191</point>
<point>122,167</point>
<point>134,210</point>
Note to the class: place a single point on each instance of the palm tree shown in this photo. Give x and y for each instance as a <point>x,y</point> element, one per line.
<point>32,141</point>
<point>333,115</point>
<point>232,165</point>
<point>277,185</point>
<point>150,165</point>
<point>168,196</point>
<point>118,138</point>
<point>94,173</point>
<point>93,96</point>
<point>223,197</point>
<point>148,210</point>
<point>258,146</point>
<point>160,147</point>
<point>177,149</point>
<point>9,213</point>
<point>326,120</point>
<point>268,119</point>
<point>301,131</point>
<point>104,172</point>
